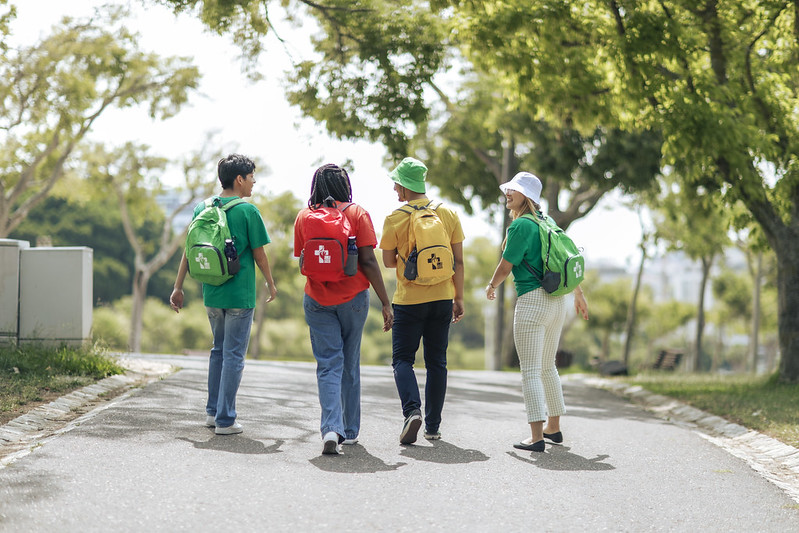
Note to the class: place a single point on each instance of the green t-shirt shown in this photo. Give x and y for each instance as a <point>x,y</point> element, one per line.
<point>523,242</point>
<point>248,231</point>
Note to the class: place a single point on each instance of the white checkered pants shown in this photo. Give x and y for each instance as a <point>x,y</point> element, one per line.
<point>537,323</point>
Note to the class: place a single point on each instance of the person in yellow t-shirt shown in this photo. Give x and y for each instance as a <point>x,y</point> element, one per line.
<point>421,312</point>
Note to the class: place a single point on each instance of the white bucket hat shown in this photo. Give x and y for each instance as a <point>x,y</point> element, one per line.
<point>526,183</point>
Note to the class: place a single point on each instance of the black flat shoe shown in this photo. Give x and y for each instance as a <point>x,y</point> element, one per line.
<point>532,447</point>
<point>554,437</point>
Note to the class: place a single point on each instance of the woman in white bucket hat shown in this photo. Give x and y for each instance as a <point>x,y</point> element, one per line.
<point>538,316</point>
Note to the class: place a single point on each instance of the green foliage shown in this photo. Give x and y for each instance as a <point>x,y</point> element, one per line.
<point>54,90</point>
<point>42,360</point>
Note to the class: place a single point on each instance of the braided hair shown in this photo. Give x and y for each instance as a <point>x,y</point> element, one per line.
<point>330,182</point>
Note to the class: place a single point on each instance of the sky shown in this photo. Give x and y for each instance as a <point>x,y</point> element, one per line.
<point>255,119</point>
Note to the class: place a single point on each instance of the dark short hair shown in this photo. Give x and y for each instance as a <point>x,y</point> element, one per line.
<point>330,181</point>
<point>231,166</point>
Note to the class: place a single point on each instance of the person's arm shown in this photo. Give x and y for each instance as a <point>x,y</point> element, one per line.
<point>370,268</point>
<point>259,255</point>
<point>390,258</point>
<point>580,305</point>
<point>500,274</point>
<point>457,304</point>
<point>176,298</point>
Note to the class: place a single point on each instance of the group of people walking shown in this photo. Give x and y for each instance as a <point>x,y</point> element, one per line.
<point>428,298</point>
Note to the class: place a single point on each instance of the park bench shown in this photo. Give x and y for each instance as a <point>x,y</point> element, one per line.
<point>667,360</point>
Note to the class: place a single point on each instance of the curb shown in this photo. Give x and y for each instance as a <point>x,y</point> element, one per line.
<point>772,459</point>
<point>20,435</point>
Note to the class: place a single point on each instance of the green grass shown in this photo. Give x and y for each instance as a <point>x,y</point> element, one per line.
<point>760,403</point>
<point>30,375</point>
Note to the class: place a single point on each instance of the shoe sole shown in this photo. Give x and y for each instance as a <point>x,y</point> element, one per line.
<point>330,448</point>
<point>432,437</point>
<point>409,433</point>
<point>228,431</point>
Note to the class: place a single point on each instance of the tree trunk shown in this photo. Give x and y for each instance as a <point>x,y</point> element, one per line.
<point>754,333</point>
<point>140,281</point>
<point>630,329</point>
<point>510,356</point>
<point>707,262</point>
<point>508,163</point>
<point>260,321</point>
<point>788,309</point>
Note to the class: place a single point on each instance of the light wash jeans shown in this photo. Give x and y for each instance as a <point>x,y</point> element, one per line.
<point>336,342</point>
<point>231,331</point>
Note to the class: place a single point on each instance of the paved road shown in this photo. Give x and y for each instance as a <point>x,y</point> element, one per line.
<point>147,463</point>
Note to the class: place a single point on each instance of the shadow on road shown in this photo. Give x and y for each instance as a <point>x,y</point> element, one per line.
<point>235,444</point>
<point>559,458</point>
<point>444,453</point>
<point>354,460</point>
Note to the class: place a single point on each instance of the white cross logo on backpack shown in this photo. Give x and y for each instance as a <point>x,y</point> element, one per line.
<point>203,262</point>
<point>322,254</point>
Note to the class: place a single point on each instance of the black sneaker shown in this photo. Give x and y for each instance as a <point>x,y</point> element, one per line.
<point>411,427</point>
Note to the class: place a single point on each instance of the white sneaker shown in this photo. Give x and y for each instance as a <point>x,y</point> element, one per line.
<point>350,442</point>
<point>230,430</point>
<point>210,421</point>
<point>330,443</point>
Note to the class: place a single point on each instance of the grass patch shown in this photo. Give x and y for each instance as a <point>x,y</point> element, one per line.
<point>31,375</point>
<point>760,403</point>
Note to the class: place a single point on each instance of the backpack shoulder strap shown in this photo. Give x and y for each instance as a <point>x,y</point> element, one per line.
<point>343,206</point>
<point>232,203</point>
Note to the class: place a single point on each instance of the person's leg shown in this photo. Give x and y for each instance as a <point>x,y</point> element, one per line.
<point>405,336</point>
<point>352,316</point>
<point>216,317</point>
<point>553,391</point>
<point>327,346</point>
<point>238,323</point>
<point>435,340</point>
<point>528,333</point>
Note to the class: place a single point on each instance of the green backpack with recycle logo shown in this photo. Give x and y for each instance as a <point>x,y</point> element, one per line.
<point>564,265</point>
<point>210,251</point>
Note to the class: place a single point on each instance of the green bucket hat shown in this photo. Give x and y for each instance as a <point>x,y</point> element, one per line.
<point>410,173</point>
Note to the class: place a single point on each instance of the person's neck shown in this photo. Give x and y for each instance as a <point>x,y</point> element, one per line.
<point>411,196</point>
<point>229,193</point>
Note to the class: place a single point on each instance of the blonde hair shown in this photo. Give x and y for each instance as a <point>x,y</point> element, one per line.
<point>528,207</point>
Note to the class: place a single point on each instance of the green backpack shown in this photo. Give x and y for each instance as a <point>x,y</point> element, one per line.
<point>564,265</point>
<point>210,251</point>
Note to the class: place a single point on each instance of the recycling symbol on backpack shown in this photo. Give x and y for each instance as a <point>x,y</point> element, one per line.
<point>435,262</point>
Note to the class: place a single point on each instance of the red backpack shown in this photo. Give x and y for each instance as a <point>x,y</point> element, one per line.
<point>330,252</point>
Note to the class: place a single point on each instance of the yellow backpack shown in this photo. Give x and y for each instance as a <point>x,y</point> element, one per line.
<point>430,260</point>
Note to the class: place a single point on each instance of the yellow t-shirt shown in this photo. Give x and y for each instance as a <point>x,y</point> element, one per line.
<point>395,237</point>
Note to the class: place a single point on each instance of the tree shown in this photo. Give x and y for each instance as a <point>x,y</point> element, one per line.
<point>51,93</point>
<point>697,226</point>
<point>132,177</point>
<point>279,213</point>
<point>718,79</point>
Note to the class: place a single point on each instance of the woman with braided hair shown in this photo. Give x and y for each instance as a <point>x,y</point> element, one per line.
<point>336,310</point>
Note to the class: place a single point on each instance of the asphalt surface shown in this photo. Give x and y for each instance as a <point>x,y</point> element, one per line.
<point>144,461</point>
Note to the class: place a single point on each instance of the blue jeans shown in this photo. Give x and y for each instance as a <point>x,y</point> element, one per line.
<point>231,331</point>
<point>336,342</point>
<point>428,321</point>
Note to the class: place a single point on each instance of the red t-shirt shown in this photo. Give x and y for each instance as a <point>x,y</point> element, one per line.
<point>338,292</point>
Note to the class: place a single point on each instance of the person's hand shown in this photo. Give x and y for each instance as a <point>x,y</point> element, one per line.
<point>176,300</point>
<point>580,305</point>
<point>272,292</point>
<point>388,317</point>
<point>491,292</point>
<point>457,310</point>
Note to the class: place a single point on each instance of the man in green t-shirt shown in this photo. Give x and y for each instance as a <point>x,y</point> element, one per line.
<point>230,305</point>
